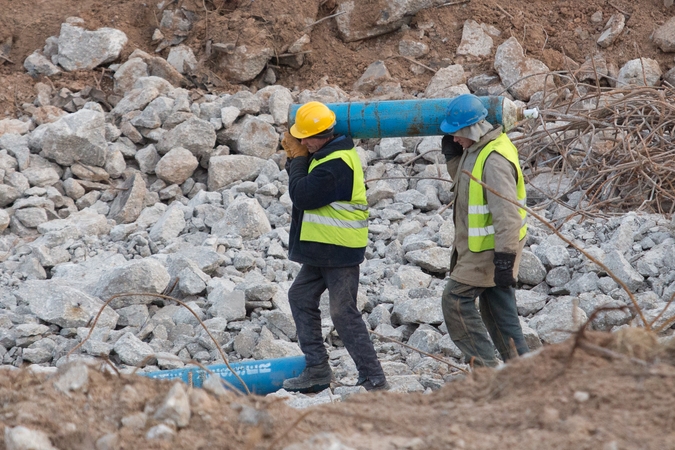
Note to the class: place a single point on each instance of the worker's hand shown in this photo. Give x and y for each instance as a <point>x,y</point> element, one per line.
<point>504,269</point>
<point>450,148</point>
<point>293,146</point>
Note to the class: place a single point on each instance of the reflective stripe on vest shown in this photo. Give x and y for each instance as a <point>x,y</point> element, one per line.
<point>340,223</point>
<point>481,231</point>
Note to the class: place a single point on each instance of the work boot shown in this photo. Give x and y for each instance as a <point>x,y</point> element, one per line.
<point>369,386</point>
<point>312,379</point>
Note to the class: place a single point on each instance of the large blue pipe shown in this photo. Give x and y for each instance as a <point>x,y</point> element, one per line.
<point>402,118</point>
<point>261,376</point>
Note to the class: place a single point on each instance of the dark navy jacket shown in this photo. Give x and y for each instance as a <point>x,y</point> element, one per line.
<point>329,182</point>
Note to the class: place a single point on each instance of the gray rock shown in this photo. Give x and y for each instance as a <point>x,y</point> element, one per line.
<point>133,351</point>
<point>244,63</point>
<point>530,302</point>
<point>405,384</point>
<point>128,204</point>
<point>31,217</point>
<point>448,347</point>
<point>531,337</point>
<point>558,276</point>
<point>447,82</point>
<point>426,338</point>
<point>613,30</point>
<point>587,282</point>
<point>77,137</point>
<point>225,303</point>
<point>134,100</point>
<point>556,255</point>
<point>127,74</point>
<point>169,226</point>
<point>408,277</point>
<point>618,264</point>
<point>194,134</point>
<point>512,66</point>
<point>376,74</point>
<point>37,64</point>
<point>531,270</point>
<point>137,276</point>
<point>176,166</point>
<point>23,438</point>
<point>606,320</point>
<point>558,320</point>
<point>664,36</point>
<point>379,315</point>
<point>175,407</point>
<point>275,348</point>
<point>8,194</point>
<point>63,305</point>
<point>435,259</point>
<point>412,48</point>
<point>475,41</point>
<point>245,217</point>
<point>253,137</point>
<point>424,310</point>
<point>81,49</point>
<point>225,170</point>
<point>182,59</point>
<point>133,316</point>
<point>394,15</point>
<point>636,71</point>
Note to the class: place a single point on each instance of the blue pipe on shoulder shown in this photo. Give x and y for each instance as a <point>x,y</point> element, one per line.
<point>402,118</point>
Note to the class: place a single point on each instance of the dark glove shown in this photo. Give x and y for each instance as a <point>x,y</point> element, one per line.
<point>450,148</point>
<point>293,146</point>
<point>504,269</point>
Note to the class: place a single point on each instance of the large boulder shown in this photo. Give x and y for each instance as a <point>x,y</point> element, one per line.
<point>244,217</point>
<point>81,49</point>
<point>225,170</point>
<point>63,305</point>
<point>77,137</point>
<point>176,166</point>
<point>639,72</point>
<point>245,62</point>
<point>140,276</point>
<point>129,202</point>
<point>194,134</point>
<point>523,76</point>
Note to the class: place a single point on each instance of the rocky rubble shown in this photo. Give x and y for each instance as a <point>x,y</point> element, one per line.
<point>160,190</point>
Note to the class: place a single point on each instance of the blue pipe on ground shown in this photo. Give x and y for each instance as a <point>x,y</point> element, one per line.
<point>262,376</point>
<point>402,118</point>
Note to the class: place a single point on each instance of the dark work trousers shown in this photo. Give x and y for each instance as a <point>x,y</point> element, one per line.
<point>469,329</point>
<point>342,284</point>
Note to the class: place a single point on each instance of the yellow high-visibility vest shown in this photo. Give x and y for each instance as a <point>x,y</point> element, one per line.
<point>343,223</point>
<point>481,230</point>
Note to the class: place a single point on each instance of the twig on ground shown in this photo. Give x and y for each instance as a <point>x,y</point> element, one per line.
<point>453,3</point>
<point>445,361</point>
<point>414,62</point>
<point>504,11</point>
<point>324,18</point>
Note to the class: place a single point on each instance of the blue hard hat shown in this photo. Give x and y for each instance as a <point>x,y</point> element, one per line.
<point>463,111</point>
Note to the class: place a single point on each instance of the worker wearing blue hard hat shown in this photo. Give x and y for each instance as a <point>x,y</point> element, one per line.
<point>489,235</point>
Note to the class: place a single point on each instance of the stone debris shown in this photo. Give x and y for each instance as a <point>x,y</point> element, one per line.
<point>157,190</point>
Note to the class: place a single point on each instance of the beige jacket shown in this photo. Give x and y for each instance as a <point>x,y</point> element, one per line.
<point>477,269</point>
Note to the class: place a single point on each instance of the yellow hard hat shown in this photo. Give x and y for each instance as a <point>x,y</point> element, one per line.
<point>312,118</point>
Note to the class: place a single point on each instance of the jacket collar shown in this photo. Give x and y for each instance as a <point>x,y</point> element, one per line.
<point>490,136</point>
<point>340,142</point>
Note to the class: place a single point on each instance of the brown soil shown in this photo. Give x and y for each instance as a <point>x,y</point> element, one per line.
<point>595,399</point>
<point>547,29</point>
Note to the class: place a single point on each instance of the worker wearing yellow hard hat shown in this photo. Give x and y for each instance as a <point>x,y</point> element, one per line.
<point>328,236</point>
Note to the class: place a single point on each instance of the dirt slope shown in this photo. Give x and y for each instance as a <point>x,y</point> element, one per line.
<point>546,401</point>
<point>548,29</point>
